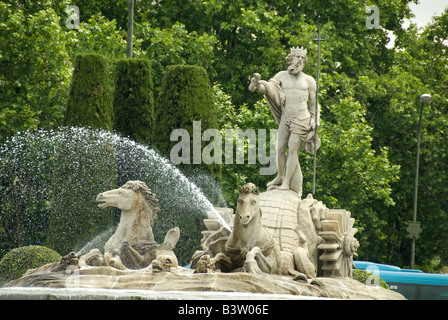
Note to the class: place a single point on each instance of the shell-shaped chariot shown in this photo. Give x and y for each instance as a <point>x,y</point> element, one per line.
<point>326,235</point>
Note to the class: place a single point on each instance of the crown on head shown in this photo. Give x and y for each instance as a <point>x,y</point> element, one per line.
<point>298,51</point>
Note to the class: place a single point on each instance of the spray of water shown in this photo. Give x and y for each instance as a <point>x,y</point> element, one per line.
<point>97,242</point>
<point>40,167</point>
<point>164,176</point>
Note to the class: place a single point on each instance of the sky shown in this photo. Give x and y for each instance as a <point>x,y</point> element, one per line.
<point>425,10</point>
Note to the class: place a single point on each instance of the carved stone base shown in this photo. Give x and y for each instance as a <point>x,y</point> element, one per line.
<point>185,280</point>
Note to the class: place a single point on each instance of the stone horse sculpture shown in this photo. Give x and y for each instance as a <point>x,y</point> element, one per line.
<point>251,247</point>
<point>132,245</point>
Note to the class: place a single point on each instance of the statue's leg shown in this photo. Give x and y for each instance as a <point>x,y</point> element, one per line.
<point>251,264</point>
<point>295,184</point>
<point>256,262</point>
<point>93,258</point>
<point>292,161</point>
<point>130,257</point>
<point>114,260</point>
<point>282,143</point>
<point>222,262</point>
<point>303,263</point>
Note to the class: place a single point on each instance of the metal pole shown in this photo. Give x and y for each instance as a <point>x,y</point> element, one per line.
<point>130,28</point>
<point>319,39</point>
<point>414,215</point>
<point>425,98</point>
<point>417,164</point>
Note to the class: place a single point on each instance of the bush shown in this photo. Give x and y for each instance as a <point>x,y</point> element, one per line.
<point>363,275</point>
<point>17,261</point>
<point>133,99</point>
<point>90,100</point>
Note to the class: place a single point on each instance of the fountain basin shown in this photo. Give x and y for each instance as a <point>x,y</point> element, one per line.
<point>109,283</point>
<point>21,293</point>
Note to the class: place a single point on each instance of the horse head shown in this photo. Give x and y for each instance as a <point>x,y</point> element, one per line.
<point>132,196</point>
<point>248,206</point>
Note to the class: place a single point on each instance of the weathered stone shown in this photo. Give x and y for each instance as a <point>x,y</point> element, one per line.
<point>182,279</point>
<point>287,94</point>
<point>132,245</point>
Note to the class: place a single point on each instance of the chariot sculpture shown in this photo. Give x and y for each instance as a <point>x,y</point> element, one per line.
<point>278,233</point>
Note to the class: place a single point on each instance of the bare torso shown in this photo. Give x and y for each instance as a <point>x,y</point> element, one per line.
<point>297,122</point>
<point>297,92</point>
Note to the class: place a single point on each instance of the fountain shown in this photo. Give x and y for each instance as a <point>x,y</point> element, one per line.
<point>276,243</point>
<point>246,261</point>
<point>43,169</point>
<point>92,272</point>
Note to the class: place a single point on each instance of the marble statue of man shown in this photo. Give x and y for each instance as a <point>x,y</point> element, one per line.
<point>288,94</point>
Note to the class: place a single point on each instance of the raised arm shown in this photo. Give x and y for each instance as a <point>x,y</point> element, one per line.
<point>256,83</point>
<point>272,91</point>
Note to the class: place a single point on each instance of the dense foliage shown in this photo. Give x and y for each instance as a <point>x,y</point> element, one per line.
<point>133,99</point>
<point>369,278</point>
<point>369,93</point>
<point>34,68</point>
<point>48,184</point>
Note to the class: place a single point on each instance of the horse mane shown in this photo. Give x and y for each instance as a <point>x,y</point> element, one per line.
<point>148,195</point>
<point>248,188</point>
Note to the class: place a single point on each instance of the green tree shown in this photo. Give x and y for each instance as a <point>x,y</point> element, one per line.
<point>393,106</point>
<point>91,101</point>
<point>233,120</point>
<point>133,99</point>
<point>111,10</point>
<point>99,35</point>
<point>175,45</point>
<point>19,260</point>
<point>34,68</point>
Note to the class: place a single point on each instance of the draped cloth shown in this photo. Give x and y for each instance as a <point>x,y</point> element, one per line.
<point>276,100</point>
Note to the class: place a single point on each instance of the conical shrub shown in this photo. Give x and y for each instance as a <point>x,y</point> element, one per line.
<point>90,100</point>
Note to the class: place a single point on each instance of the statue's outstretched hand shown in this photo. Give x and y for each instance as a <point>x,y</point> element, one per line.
<point>254,82</point>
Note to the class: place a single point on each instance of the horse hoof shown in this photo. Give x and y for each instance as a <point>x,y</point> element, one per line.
<point>298,276</point>
<point>317,282</point>
<point>252,267</point>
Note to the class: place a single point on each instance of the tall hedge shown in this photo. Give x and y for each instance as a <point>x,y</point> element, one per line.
<point>185,96</point>
<point>90,100</point>
<point>133,99</point>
